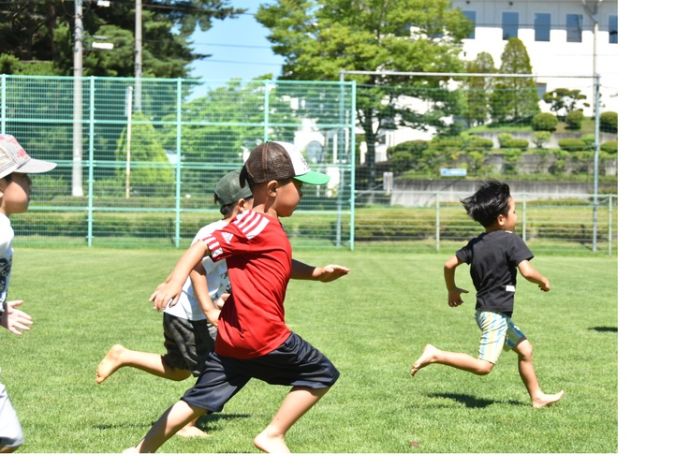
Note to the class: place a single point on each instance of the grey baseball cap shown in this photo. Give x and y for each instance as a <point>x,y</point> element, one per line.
<point>228,189</point>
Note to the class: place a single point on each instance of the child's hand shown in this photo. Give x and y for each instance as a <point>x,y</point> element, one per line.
<point>213,316</point>
<point>454,298</point>
<point>164,296</point>
<point>220,302</point>
<point>544,285</point>
<point>329,273</point>
<point>15,320</point>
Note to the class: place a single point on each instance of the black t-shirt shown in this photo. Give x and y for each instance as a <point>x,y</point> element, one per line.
<point>493,258</point>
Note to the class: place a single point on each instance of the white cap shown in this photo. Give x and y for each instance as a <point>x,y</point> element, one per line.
<point>14,158</point>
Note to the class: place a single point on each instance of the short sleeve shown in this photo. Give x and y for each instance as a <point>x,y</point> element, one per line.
<point>518,250</point>
<point>465,254</point>
<point>219,243</point>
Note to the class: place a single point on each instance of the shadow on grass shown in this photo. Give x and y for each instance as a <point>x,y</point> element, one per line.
<point>212,419</point>
<point>470,401</point>
<point>203,422</point>
<point>605,329</point>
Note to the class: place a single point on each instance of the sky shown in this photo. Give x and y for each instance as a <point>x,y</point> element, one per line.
<point>238,48</point>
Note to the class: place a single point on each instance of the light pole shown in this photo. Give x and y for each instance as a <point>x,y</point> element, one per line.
<point>77,189</point>
<point>137,56</point>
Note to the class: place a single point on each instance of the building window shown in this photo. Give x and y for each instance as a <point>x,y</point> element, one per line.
<point>472,16</point>
<point>542,27</point>
<point>510,24</point>
<point>613,29</point>
<point>573,26</point>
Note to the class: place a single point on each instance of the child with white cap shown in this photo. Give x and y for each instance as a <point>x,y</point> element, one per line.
<point>15,194</point>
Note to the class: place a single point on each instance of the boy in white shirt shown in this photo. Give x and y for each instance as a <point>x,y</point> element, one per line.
<point>189,326</point>
<point>15,194</point>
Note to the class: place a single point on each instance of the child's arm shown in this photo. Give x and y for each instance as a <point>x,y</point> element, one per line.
<point>13,319</point>
<point>532,275</point>
<point>200,286</point>
<point>324,274</point>
<point>168,292</point>
<point>454,292</point>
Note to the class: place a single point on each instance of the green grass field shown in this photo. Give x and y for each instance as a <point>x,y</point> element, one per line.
<point>372,324</point>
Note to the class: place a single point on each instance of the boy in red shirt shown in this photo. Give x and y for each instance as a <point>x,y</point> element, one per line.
<point>253,339</point>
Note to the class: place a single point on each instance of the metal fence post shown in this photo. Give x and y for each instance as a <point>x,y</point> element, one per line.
<point>610,224</point>
<point>178,168</point>
<point>438,223</point>
<point>597,120</point>
<point>524,220</point>
<point>353,154</point>
<point>92,105</point>
<point>3,103</point>
<point>266,109</point>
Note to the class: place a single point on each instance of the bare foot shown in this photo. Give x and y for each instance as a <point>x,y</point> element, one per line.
<point>546,399</point>
<point>110,363</point>
<point>270,444</point>
<point>191,431</point>
<point>424,360</point>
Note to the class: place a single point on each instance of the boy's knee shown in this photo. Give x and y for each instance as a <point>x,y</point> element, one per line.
<point>524,350</point>
<point>484,368</point>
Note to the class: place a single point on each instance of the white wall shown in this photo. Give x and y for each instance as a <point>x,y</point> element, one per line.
<point>557,56</point>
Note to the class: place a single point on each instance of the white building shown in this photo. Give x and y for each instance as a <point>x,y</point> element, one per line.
<point>559,36</point>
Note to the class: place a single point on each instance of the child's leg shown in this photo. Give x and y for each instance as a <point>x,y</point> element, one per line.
<point>433,355</point>
<point>296,403</point>
<point>174,419</point>
<point>119,356</point>
<point>529,377</point>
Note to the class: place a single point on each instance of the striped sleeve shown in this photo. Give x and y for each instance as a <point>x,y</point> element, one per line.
<point>237,236</point>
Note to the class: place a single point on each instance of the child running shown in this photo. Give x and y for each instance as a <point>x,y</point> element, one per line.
<point>253,338</point>
<point>189,326</point>
<point>494,258</point>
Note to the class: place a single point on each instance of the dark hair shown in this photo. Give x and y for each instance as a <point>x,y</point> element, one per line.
<point>488,202</point>
<point>228,207</point>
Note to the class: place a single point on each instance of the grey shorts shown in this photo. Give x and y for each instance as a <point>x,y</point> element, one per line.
<point>11,434</point>
<point>187,342</point>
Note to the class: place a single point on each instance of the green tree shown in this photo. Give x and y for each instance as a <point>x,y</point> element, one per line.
<point>564,101</point>
<point>514,99</point>
<point>42,32</point>
<point>320,38</point>
<point>478,88</point>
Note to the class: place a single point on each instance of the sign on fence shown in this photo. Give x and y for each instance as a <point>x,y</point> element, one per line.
<point>453,172</point>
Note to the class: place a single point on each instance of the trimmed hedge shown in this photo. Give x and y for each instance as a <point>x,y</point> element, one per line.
<point>572,144</point>
<point>544,121</point>
<point>372,225</point>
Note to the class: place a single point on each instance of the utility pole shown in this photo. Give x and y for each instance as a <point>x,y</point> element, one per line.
<point>77,189</point>
<point>592,13</point>
<point>137,56</point>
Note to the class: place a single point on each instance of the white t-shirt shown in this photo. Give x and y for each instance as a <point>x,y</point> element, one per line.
<point>216,275</point>
<point>6,251</point>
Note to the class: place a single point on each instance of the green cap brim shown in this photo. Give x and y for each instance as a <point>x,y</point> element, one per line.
<point>314,178</point>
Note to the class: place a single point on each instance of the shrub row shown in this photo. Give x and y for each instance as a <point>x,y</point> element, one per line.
<point>377,225</point>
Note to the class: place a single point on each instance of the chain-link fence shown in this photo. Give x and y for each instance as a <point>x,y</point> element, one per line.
<point>130,176</point>
<point>146,176</point>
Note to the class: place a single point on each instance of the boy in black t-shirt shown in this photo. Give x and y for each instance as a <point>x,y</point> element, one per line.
<point>494,258</point>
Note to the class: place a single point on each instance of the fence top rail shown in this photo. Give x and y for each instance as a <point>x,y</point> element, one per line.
<point>450,75</point>
<point>333,83</point>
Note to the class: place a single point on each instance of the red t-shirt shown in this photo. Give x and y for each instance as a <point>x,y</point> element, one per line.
<point>259,259</point>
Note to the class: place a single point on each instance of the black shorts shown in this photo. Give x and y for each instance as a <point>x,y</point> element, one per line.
<point>295,363</point>
<point>187,342</point>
